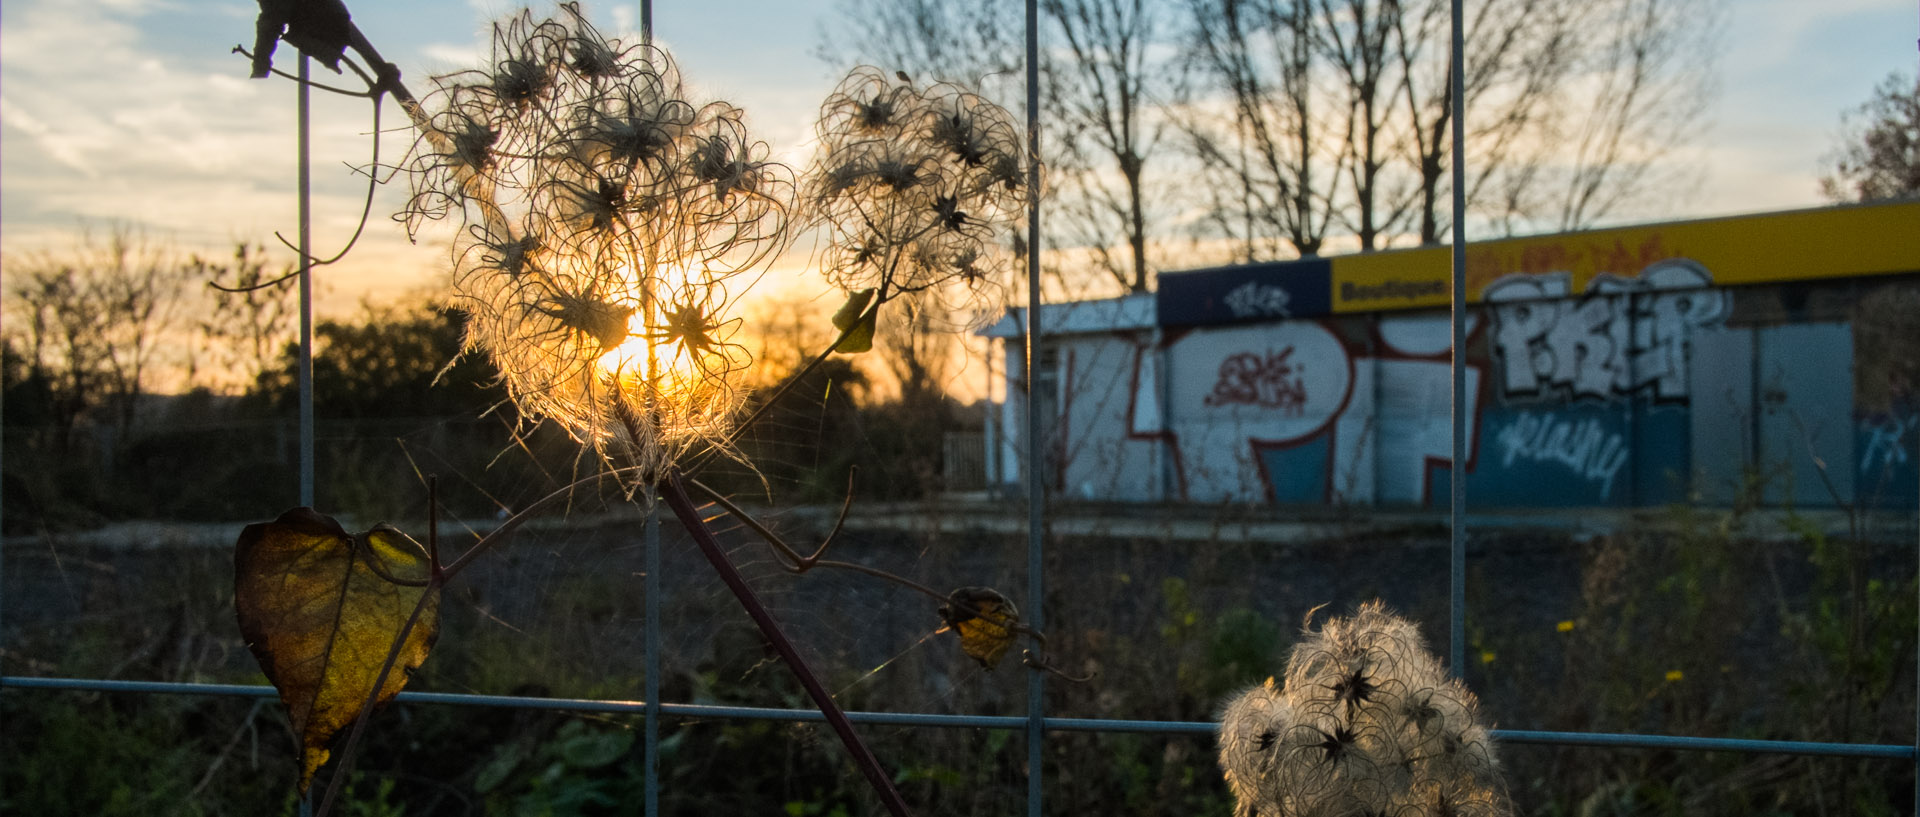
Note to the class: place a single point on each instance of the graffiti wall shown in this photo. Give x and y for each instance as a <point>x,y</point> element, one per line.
<point>1620,368</point>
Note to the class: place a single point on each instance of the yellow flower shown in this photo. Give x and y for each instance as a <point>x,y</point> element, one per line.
<point>1675,675</point>
<point>1565,626</point>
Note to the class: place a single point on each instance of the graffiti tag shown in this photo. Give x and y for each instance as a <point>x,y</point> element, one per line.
<point>1591,451</point>
<point>1271,381</point>
<point>1624,335</point>
<point>1251,300</point>
<point>1884,446</point>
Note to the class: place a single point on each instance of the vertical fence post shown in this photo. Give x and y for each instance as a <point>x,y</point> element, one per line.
<point>305,376</point>
<point>3,552</point>
<point>1457,513</point>
<point>654,664</point>
<point>650,799</point>
<point>304,183</point>
<point>306,288</point>
<point>1036,496</point>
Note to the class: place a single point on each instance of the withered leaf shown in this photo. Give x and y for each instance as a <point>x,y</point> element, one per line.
<point>321,609</point>
<point>984,621</point>
<point>319,28</point>
<point>850,316</point>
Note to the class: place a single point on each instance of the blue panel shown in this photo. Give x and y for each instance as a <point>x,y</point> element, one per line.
<point>1246,293</point>
<point>1721,442</point>
<point>1662,452</point>
<point>1551,457</point>
<point>1805,395</point>
<point>1296,474</point>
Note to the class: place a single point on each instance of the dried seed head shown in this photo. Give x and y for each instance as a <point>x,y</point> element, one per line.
<point>1373,726</point>
<point>604,216</point>
<point>913,186</point>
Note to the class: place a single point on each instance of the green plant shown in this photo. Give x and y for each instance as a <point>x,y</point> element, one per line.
<point>579,770</point>
<point>1739,622</point>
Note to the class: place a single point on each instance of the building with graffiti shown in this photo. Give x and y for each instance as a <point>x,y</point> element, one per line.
<point>1623,367</point>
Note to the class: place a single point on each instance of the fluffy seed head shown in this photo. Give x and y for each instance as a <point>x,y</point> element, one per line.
<point>1366,722</point>
<point>606,219</point>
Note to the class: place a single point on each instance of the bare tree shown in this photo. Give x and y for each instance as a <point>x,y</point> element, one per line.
<point>1263,161</point>
<point>1570,105</point>
<point>1517,53</point>
<point>1310,118</point>
<point>1638,92</point>
<point>920,353</point>
<point>250,318</point>
<point>1880,158</point>
<point>57,340</point>
<point>93,321</point>
<point>976,43</point>
<point>1105,106</point>
<point>1358,38</point>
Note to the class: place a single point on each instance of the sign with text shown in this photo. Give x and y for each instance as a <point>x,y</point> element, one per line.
<point>1244,293</point>
<point>1832,242</point>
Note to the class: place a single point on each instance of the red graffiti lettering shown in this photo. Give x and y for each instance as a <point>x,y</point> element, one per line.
<point>1251,379</point>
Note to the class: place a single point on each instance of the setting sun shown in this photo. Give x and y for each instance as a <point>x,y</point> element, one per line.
<point>676,370</point>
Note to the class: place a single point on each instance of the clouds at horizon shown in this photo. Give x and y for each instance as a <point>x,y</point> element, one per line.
<point>134,111</point>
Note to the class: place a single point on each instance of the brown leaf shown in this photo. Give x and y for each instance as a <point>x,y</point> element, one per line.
<point>321,609</point>
<point>984,621</point>
<point>854,315</point>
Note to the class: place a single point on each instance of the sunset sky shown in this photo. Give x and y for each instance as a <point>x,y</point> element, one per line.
<point>135,111</point>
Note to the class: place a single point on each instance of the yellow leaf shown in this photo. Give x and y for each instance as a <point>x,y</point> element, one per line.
<point>321,609</point>
<point>984,621</point>
<point>854,315</point>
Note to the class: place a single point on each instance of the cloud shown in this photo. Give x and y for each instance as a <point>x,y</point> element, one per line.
<point>451,54</point>
<point>43,135</point>
<point>154,125</point>
<point>115,112</point>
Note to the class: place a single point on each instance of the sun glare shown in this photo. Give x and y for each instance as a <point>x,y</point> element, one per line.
<point>629,361</point>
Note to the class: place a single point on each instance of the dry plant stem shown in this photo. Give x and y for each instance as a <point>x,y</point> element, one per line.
<point>256,287</point>
<point>219,760</point>
<point>373,183</point>
<point>675,493</point>
<point>794,563</point>
<point>514,522</point>
<point>435,581</point>
<point>438,577</point>
<point>740,429</point>
<point>791,560</point>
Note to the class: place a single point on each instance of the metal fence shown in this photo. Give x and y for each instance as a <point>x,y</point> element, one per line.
<point>1036,725</point>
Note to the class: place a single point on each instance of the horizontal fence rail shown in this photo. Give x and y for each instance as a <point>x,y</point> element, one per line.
<point>1052,724</point>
